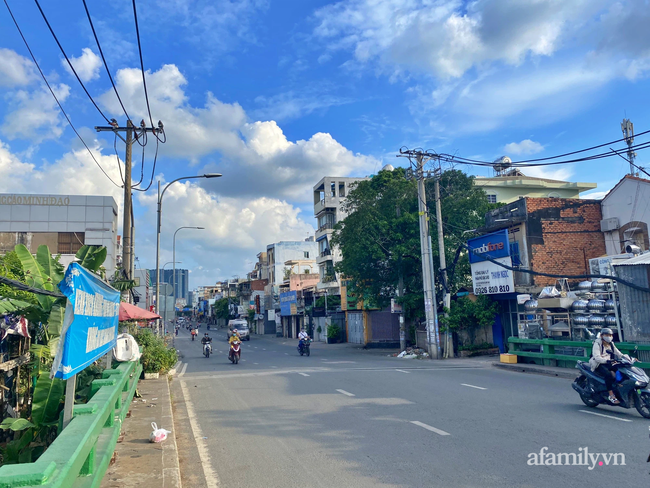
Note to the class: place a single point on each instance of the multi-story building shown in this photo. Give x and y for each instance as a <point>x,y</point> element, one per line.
<point>143,288</point>
<point>182,280</point>
<point>62,222</point>
<point>329,196</point>
<point>281,252</point>
<point>511,185</point>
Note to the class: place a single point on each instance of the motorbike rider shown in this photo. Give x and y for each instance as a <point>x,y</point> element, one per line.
<point>194,333</point>
<point>603,355</point>
<point>233,337</point>
<point>302,337</point>
<point>206,339</point>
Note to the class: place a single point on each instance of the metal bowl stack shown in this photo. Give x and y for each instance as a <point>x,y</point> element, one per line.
<point>584,286</point>
<point>581,320</point>
<point>597,320</point>
<point>579,306</point>
<point>610,321</point>
<point>595,286</point>
<point>531,305</point>
<point>610,305</point>
<point>595,305</point>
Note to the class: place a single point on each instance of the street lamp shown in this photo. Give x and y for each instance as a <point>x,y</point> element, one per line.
<point>165,310</point>
<point>160,197</point>
<point>174,267</point>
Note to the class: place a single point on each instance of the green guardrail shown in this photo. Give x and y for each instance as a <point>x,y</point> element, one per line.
<point>549,357</point>
<point>79,456</point>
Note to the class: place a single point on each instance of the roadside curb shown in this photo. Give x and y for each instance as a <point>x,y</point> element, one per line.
<point>175,369</point>
<point>536,369</point>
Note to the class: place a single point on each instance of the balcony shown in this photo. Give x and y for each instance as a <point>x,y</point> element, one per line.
<point>326,226</point>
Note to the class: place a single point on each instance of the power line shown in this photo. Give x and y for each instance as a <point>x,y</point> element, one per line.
<point>69,63</point>
<point>55,98</point>
<point>101,52</point>
<point>153,169</point>
<point>117,157</point>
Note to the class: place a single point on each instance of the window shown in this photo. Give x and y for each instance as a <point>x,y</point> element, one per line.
<point>514,253</point>
<point>554,194</point>
<point>341,189</point>
<point>492,199</point>
<point>306,254</point>
<point>70,242</point>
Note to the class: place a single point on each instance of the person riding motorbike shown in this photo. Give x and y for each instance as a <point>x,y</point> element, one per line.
<point>233,337</point>
<point>603,357</point>
<point>206,339</point>
<point>194,332</point>
<point>302,337</point>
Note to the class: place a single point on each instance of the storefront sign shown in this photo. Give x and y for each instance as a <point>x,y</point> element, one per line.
<point>493,246</point>
<point>34,200</point>
<point>491,279</point>
<point>90,324</point>
<point>288,303</point>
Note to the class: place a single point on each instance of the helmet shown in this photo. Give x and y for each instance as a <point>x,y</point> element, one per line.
<point>606,330</point>
<point>206,334</point>
<point>234,331</point>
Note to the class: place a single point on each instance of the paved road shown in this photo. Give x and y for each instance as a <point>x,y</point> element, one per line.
<point>346,417</point>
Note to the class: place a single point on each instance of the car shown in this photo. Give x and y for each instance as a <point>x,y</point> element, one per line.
<point>242,328</point>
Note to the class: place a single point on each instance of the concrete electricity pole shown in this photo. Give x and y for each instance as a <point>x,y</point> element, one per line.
<point>127,224</point>
<point>430,309</point>
<point>443,260</point>
<point>628,134</point>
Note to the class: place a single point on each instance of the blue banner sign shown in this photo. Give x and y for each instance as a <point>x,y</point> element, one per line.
<point>288,303</point>
<point>90,323</point>
<point>494,246</point>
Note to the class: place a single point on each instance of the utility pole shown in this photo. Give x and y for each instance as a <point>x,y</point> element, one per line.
<point>127,244</point>
<point>430,309</point>
<point>443,260</point>
<point>628,134</point>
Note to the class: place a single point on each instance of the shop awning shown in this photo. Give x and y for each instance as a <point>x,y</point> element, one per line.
<point>131,312</point>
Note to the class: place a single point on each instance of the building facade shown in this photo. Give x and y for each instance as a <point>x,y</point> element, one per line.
<point>330,194</point>
<point>626,216</point>
<point>62,222</point>
<point>182,281</point>
<point>510,186</point>
<point>143,288</point>
<point>281,252</point>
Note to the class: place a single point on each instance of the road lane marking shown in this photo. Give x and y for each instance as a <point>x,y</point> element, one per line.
<point>607,416</point>
<point>263,349</point>
<point>472,386</point>
<point>402,371</point>
<point>286,353</point>
<point>256,363</point>
<point>346,393</point>
<point>303,374</point>
<point>183,370</point>
<point>428,427</point>
<point>274,367</point>
<point>211,478</point>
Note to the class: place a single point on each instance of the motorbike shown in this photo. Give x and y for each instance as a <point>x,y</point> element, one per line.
<point>207,349</point>
<point>193,336</point>
<point>630,388</point>
<point>235,352</point>
<point>303,346</point>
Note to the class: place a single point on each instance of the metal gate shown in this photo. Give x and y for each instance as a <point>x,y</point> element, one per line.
<point>355,327</point>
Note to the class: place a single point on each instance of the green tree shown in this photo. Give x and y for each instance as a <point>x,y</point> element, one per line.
<point>381,235</point>
<point>220,308</point>
<point>470,316</point>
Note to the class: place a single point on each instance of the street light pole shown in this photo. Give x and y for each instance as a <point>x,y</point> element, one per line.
<point>174,268</point>
<point>159,210</point>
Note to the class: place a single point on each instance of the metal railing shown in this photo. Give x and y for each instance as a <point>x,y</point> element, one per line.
<point>80,455</point>
<point>568,352</point>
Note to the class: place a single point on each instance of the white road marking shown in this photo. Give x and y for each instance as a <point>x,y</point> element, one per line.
<point>286,353</point>
<point>428,427</point>
<point>183,370</point>
<point>211,478</point>
<point>402,371</point>
<point>263,349</point>
<point>472,386</point>
<point>347,393</point>
<point>256,363</point>
<point>303,374</point>
<point>274,367</point>
<point>607,416</point>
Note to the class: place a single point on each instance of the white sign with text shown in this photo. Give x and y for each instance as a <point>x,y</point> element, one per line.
<point>491,279</point>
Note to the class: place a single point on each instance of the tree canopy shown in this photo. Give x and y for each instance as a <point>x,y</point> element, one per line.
<point>380,236</point>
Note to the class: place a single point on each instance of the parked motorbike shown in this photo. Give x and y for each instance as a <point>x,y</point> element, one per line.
<point>303,346</point>
<point>235,352</point>
<point>207,349</point>
<point>631,387</point>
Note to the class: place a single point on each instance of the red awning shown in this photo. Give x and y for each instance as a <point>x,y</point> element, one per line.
<point>131,312</point>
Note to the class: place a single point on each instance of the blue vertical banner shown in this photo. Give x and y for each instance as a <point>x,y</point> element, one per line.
<point>90,323</point>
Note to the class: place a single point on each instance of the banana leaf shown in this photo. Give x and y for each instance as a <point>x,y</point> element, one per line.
<point>10,306</point>
<point>15,424</point>
<point>11,453</point>
<point>47,399</point>
<point>54,327</point>
<point>35,275</point>
<point>91,257</point>
<point>51,267</point>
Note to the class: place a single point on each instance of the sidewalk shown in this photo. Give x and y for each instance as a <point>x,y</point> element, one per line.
<point>139,463</point>
<point>568,373</point>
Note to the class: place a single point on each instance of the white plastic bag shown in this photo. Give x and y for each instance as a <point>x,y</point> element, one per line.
<point>126,348</point>
<point>158,435</point>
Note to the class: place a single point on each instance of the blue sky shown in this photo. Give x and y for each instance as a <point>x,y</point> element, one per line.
<point>276,95</point>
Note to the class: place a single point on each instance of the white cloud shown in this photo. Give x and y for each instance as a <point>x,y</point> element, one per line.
<point>291,105</point>
<point>549,172</point>
<point>87,65</point>
<point>256,157</point>
<point>34,114</point>
<point>525,147</point>
<point>15,70</point>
